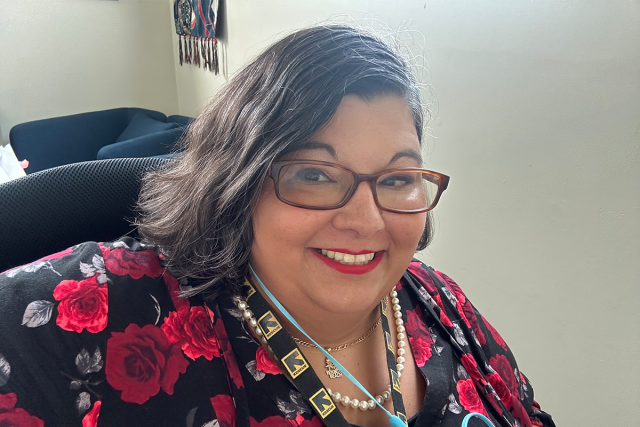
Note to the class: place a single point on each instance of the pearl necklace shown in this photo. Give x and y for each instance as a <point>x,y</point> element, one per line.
<point>336,396</point>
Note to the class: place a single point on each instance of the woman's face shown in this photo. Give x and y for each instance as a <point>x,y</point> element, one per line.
<point>366,137</point>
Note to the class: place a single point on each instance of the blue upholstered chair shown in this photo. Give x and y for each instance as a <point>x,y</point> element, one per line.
<point>108,134</point>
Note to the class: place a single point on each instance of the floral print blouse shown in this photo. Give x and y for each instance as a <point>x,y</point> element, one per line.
<point>96,335</point>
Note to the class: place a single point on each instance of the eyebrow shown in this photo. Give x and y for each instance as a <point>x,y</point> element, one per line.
<point>412,154</point>
<point>315,145</point>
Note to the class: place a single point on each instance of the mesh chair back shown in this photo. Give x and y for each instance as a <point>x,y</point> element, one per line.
<point>54,209</point>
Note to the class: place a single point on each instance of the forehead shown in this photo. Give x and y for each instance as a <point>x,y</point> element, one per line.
<point>371,132</point>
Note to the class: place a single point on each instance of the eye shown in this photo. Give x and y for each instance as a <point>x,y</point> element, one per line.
<point>312,175</point>
<point>397,181</point>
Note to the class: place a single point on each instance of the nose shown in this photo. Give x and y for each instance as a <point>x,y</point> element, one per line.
<point>360,214</point>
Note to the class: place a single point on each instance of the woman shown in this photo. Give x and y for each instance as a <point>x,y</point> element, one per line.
<point>300,183</point>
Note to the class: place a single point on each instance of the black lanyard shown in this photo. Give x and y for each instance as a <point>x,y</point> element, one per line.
<point>302,375</point>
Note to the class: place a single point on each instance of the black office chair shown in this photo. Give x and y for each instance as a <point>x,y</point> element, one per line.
<point>54,209</point>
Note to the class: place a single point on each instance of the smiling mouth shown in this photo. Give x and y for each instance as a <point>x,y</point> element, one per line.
<point>348,259</point>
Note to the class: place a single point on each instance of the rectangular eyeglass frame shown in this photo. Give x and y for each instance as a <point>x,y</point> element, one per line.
<point>441,180</point>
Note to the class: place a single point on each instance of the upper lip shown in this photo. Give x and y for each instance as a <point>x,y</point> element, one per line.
<point>347,251</point>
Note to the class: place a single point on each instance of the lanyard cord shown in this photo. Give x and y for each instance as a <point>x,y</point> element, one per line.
<point>465,421</point>
<point>393,419</point>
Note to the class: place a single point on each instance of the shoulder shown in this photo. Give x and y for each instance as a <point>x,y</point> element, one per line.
<point>91,272</point>
<point>124,257</point>
<point>452,303</point>
<point>432,279</point>
<point>33,284</point>
<point>129,257</point>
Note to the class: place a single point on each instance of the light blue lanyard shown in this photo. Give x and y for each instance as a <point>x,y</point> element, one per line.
<point>394,420</point>
<point>486,420</point>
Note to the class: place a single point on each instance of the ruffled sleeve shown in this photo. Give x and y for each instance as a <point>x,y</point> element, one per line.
<point>480,348</point>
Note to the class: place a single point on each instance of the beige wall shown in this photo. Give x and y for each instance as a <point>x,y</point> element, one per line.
<point>61,57</point>
<point>538,124</point>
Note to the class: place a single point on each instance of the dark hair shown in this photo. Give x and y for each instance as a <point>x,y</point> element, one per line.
<point>198,208</point>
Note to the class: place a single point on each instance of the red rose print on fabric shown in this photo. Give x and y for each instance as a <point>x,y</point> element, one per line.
<point>495,404</point>
<point>522,379</point>
<point>313,422</point>
<point>91,419</point>
<point>141,361</point>
<point>471,366</point>
<point>519,412</point>
<point>421,350</point>
<point>193,331</point>
<point>420,338</point>
<point>453,287</point>
<point>443,316</point>
<point>469,397</point>
<point>173,287</point>
<point>83,305</point>
<point>472,321</point>
<point>225,410</point>
<point>278,421</point>
<point>264,362</point>
<point>122,261</point>
<point>423,277</point>
<point>502,366</point>
<point>496,336</point>
<point>416,325</point>
<point>455,291</point>
<point>500,387</point>
<point>227,354</point>
<point>11,416</point>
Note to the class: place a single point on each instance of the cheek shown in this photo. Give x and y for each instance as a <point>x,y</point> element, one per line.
<point>406,230</point>
<point>281,232</point>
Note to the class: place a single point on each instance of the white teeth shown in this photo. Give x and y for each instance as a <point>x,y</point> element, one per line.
<point>348,259</point>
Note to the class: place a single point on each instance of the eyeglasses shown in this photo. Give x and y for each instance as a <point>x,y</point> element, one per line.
<point>323,185</point>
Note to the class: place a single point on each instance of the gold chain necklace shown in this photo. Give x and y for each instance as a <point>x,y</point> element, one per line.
<point>342,346</point>
<point>330,369</point>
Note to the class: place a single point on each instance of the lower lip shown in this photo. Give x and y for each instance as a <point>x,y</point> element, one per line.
<point>351,269</point>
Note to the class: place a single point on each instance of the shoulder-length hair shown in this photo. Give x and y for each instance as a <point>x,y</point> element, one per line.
<point>198,208</point>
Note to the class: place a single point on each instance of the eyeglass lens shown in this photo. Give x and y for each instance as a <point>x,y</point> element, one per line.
<point>314,185</point>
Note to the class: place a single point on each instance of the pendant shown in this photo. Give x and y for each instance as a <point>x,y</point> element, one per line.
<point>332,371</point>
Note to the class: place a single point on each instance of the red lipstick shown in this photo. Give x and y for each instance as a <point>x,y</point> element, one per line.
<point>351,269</point>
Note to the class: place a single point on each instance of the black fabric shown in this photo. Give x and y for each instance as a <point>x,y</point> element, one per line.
<point>51,210</point>
<point>394,380</point>
<point>97,336</point>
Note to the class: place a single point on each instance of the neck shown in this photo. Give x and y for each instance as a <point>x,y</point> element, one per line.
<point>330,330</point>
<point>327,328</point>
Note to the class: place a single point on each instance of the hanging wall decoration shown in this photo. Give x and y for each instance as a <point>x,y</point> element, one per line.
<point>196,28</point>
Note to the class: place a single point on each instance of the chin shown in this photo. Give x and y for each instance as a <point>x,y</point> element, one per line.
<point>350,298</point>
